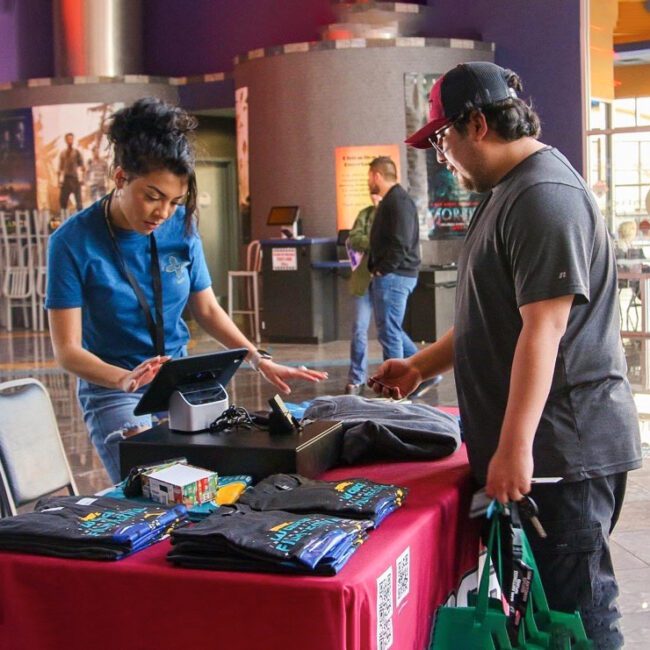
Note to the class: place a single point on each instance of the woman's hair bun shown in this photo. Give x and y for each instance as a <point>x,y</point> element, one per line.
<point>151,134</point>
<point>150,116</point>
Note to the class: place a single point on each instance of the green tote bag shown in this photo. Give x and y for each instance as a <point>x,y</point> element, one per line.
<point>484,624</point>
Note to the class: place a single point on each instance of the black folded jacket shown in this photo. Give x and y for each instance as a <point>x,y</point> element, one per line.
<point>382,430</point>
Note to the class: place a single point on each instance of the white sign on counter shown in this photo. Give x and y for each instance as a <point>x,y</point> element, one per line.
<point>284,259</point>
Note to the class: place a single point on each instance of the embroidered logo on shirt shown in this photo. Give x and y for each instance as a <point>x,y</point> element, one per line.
<point>562,275</point>
<point>175,266</point>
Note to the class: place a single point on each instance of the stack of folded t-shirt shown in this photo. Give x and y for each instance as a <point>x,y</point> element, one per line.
<point>356,498</point>
<point>96,528</point>
<point>237,538</point>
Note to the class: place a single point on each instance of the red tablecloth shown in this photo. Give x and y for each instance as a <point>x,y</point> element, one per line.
<point>143,603</point>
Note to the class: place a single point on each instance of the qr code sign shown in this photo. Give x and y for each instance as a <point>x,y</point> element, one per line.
<point>403,575</point>
<point>385,634</point>
<point>385,609</point>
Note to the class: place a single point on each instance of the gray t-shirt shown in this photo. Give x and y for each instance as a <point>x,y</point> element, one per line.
<point>539,235</point>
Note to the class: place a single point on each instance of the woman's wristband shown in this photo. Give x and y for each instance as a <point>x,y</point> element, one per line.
<point>257,356</point>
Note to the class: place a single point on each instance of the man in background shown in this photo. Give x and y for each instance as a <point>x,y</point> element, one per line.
<point>393,259</point>
<point>359,241</point>
<point>393,262</point>
<point>71,166</point>
<point>97,175</point>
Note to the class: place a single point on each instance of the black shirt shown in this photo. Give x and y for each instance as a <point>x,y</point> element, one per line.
<point>537,236</point>
<point>395,235</point>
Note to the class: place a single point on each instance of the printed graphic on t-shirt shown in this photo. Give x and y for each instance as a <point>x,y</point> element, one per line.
<point>176,266</point>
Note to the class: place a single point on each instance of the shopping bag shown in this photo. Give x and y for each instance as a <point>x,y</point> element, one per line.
<point>552,629</point>
<point>485,624</point>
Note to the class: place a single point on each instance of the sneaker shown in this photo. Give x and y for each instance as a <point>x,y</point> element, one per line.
<point>353,389</point>
<point>426,386</point>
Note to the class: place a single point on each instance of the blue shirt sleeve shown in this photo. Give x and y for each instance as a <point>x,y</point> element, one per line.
<point>64,285</point>
<point>199,274</point>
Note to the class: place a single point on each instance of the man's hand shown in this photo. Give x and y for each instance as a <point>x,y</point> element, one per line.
<point>278,374</point>
<point>395,378</point>
<point>509,474</point>
<point>141,374</point>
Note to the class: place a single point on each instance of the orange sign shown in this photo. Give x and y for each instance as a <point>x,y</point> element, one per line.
<point>352,179</point>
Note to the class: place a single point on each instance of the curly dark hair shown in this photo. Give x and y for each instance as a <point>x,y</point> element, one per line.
<point>150,135</point>
<point>511,118</point>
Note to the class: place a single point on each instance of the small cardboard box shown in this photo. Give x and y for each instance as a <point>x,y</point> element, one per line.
<point>180,484</point>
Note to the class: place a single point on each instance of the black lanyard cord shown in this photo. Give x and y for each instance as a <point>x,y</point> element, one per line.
<point>156,327</point>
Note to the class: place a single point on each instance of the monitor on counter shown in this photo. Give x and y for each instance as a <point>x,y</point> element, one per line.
<point>283,215</point>
<point>287,217</point>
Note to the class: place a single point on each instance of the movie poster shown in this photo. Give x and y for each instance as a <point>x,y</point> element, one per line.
<point>17,176</point>
<point>241,118</point>
<point>72,155</point>
<point>444,208</point>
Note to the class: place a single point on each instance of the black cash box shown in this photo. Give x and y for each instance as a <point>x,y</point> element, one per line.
<point>243,451</point>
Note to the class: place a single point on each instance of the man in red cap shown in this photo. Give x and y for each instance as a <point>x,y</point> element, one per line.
<point>536,350</point>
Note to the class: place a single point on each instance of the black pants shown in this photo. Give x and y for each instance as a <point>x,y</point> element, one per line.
<point>70,185</point>
<point>574,561</point>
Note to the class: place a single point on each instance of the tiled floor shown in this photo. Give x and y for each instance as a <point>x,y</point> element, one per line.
<point>25,354</point>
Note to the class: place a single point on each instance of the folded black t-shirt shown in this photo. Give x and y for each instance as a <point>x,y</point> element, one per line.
<point>89,527</point>
<point>275,536</point>
<point>356,498</point>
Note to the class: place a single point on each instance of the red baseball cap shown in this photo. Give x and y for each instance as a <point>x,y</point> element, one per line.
<point>480,82</point>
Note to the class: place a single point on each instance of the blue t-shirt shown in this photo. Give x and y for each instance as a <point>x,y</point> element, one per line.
<point>83,271</point>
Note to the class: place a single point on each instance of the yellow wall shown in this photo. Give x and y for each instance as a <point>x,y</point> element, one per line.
<point>602,20</point>
<point>632,81</point>
<point>633,23</point>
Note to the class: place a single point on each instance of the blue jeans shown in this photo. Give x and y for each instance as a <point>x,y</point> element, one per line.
<point>389,294</point>
<point>108,413</point>
<point>359,343</point>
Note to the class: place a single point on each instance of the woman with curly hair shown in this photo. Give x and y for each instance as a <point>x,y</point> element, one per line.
<point>121,272</point>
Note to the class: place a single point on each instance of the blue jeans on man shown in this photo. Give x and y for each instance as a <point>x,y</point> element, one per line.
<point>389,294</point>
<point>358,372</point>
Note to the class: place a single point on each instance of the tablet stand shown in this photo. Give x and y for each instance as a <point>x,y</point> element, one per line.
<point>194,407</point>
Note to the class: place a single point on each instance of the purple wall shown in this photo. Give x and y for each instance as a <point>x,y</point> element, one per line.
<point>538,39</point>
<point>179,41</point>
<point>8,54</point>
<point>26,50</point>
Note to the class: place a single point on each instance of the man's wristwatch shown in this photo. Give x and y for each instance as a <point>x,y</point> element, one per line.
<point>257,356</point>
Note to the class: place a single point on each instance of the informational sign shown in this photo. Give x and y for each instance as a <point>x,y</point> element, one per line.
<point>284,259</point>
<point>352,194</point>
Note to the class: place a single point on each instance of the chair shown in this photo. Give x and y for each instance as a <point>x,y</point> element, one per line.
<point>251,280</point>
<point>17,265</point>
<point>32,459</point>
<point>41,238</point>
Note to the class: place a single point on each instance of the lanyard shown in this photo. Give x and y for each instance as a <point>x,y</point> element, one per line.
<point>156,327</point>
